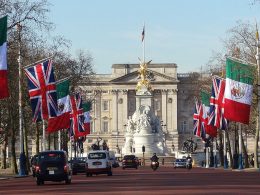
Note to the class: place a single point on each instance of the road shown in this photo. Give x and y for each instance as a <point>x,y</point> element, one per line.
<point>165,180</point>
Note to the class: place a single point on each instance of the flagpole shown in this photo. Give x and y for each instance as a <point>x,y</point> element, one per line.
<point>258,100</point>
<point>59,139</point>
<point>22,160</point>
<point>225,150</point>
<point>43,135</point>
<point>37,62</point>
<point>144,44</point>
<point>240,159</point>
<point>215,152</point>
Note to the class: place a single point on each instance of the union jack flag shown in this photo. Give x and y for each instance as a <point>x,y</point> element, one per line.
<point>216,113</point>
<point>198,128</point>
<point>42,90</point>
<point>76,117</point>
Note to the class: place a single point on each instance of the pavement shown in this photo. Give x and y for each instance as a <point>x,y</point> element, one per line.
<point>7,174</point>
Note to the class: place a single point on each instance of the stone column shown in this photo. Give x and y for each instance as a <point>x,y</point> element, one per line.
<point>115,110</point>
<point>164,106</point>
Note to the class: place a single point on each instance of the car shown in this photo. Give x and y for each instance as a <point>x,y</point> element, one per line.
<point>78,165</point>
<point>34,164</point>
<point>180,163</point>
<point>53,166</point>
<point>98,162</point>
<point>130,161</point>
<point>113,159</point>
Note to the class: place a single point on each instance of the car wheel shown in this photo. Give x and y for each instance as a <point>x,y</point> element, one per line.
<point>39,181</point>
<point>110,173</point>
<point>68,180</point>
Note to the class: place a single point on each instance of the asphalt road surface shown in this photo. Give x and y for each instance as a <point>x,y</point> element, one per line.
<point>166,180</point>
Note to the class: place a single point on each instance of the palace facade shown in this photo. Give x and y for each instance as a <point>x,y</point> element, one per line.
<point>113,102</point>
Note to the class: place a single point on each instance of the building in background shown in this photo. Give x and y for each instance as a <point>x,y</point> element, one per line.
<point>114,99</point>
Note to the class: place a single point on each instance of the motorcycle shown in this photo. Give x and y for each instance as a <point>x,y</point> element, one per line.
<point>154,165</point>
<point>189,164</point>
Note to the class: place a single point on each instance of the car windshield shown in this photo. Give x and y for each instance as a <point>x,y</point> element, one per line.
<point>51,157</point>
<point>98,155</point>
<point>129,157</point>
<point>79,159</point>
<point>180,160</point>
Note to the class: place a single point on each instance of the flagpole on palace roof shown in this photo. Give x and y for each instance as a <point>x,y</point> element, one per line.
<point>258,100</point>
<point>143,40</point>
<point>22,159</point>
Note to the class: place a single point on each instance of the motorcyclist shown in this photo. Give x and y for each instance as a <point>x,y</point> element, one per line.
<point>154,158</point>
<point>189,160</point>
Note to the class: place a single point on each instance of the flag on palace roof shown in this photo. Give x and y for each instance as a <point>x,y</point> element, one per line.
<point>4,92</point>
<point>42,90</point>
<point>209,129</point>
<point>62,120</point>
<point>238,91</point>
<point>216,113</point>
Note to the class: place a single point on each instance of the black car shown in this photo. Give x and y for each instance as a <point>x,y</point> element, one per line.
<point>130,161</point>
<point>34,163</point>
<point>78,165</point>
<point>53,166</point>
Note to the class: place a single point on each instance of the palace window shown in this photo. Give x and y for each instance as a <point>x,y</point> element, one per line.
<point>105,127</point>
<point>184,126</point>
<point>105,105</point>
<point>157,105</point>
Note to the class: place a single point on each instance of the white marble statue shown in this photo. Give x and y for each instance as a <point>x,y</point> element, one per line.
<point>144,128</point>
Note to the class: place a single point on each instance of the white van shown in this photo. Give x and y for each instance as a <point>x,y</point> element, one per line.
<point>99,162</point>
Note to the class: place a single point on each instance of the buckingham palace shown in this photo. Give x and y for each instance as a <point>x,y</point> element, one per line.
<point>113,99</point>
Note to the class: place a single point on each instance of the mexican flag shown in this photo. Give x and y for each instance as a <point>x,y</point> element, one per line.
<point>4,93</point>
<point>205,100</point>
<point>238,91</point>
<point>62,121</point>
<point>86,109</point>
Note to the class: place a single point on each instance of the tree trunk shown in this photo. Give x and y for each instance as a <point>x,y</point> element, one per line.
<point>49,141</point>
<point>13,140</point>
<point>26,151</point>
<point>231,164</point>
<point>221,154</point>
<point>13,155</point>
<point>245,153</point>
<point>37,139</point>
<point>256,146</point>
<point>4,166</point>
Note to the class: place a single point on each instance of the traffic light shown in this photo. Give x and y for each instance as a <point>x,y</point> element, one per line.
<point>143,148</point>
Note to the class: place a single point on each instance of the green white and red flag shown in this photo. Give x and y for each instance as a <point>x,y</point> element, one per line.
<point>4,92</point>
<point>238,91</point>
<point>62,121</point>
<point>86,111</point>
<point>205,100</point>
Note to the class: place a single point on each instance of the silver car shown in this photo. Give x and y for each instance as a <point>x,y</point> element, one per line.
<point>180,163</point>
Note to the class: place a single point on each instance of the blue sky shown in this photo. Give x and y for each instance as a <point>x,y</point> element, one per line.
<point>185,32</point>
